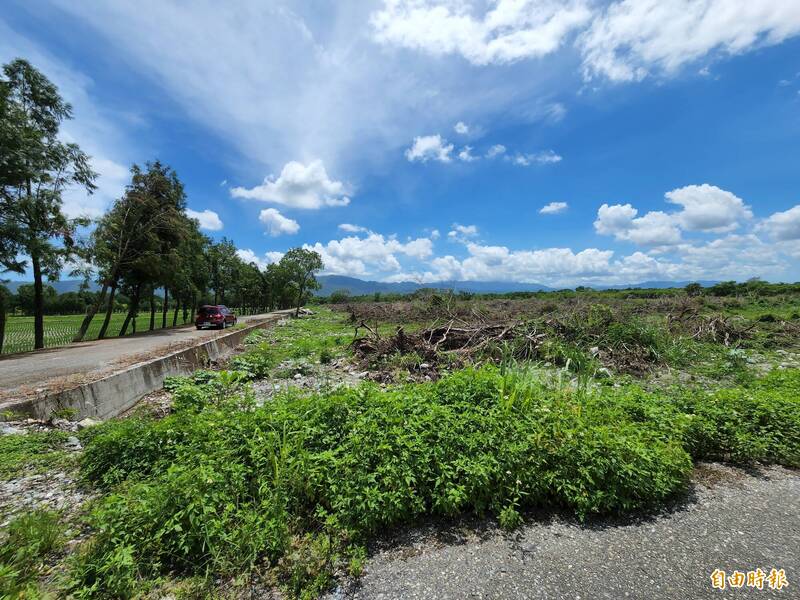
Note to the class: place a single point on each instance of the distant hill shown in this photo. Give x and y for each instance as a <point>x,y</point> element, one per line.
<point>62,287</point>
<point>360,287</point>
<point>656,285</point>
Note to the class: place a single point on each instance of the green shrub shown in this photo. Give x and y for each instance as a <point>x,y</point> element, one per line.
<point>68,414</point>
<point>215,488</point>
<point>303,481</point>
<point>325,356</point>
<point>256,362</point>
<point>758,422</point>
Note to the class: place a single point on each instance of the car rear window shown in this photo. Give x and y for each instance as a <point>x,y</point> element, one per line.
<point>209,310</point>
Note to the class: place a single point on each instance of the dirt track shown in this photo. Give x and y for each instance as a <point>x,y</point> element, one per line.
<point>28,373</point>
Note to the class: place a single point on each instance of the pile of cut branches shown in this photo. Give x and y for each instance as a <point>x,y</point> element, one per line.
<point>718,329</point>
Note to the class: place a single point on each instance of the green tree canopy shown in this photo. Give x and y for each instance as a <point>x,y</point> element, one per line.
<point>35,168</point>
<point>299,266</point>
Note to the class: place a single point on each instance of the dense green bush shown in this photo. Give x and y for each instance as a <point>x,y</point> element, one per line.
<point>760,421</point>
<point>302,482</point>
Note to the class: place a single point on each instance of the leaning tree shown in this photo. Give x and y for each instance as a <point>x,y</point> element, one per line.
<point>139,234</point>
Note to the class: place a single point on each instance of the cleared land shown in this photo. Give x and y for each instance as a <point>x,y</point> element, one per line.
<point>631,431</point>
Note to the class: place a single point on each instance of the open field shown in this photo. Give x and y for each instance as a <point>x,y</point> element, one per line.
<point>330,432</point>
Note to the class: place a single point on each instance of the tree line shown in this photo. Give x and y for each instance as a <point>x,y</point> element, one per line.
<point>144,245</point>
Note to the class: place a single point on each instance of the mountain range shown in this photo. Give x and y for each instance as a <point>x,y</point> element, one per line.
<point>360,287</point>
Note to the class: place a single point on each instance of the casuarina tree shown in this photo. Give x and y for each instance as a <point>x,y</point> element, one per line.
<point>138,234</point>
<point>35,170</point>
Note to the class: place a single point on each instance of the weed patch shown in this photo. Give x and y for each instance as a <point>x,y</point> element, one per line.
<point>33,452</point>
<point>28,540</point>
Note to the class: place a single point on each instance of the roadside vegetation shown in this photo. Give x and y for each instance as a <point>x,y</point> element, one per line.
<point>590,404</point>
<point>30,542</point>
<point>293,489</point>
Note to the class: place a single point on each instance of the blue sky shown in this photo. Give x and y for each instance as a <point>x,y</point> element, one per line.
<point>422,140</point>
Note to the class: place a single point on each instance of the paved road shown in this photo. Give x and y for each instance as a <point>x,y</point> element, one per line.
<point>22,374</point>
<point>734,521</point>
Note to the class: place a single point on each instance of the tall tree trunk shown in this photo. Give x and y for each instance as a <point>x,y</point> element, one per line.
<point>165,308</point>
<point>132,311</point>
<point>38,302</point>
<point>299,301</point>
<point>152,308</point>
<point>2,318</point>
<point>87,320</point>
<point>175,313</point>
<point>185,312</point>
<point>216,296</point>
<point>109,310</point>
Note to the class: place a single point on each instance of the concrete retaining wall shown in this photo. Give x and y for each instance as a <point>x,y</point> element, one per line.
<point>116,393</point>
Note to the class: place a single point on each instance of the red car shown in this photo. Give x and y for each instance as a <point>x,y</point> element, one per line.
<point>214,316</point>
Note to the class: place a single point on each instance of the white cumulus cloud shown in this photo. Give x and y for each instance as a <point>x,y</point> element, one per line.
<point>429,147</point>
<point>783,226</point>
<point>209,220</point>
<point>495,150</point>
<point>360,256</point>
<point>461,128</point>
<point>462,232</point>
<point>539,158</point>
<point>248,256</point>
<point>653,229</point>
<point>277,224</point>
<point>350,228</point>
<point>708,208</point>
<point>466,155</point>
<point>510,30</point>
<point>704,208</point>
<point>634,38</point>
<point>553,208</point>
<point>299,186</point>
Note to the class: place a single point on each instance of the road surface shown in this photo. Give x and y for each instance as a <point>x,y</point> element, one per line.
<point>733,521</point>
<point>33,372</point>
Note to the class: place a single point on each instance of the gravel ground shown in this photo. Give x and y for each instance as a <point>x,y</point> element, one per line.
<point>732,520</point>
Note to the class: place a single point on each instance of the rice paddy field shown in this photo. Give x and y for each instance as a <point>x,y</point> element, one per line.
<point>59,329</point>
